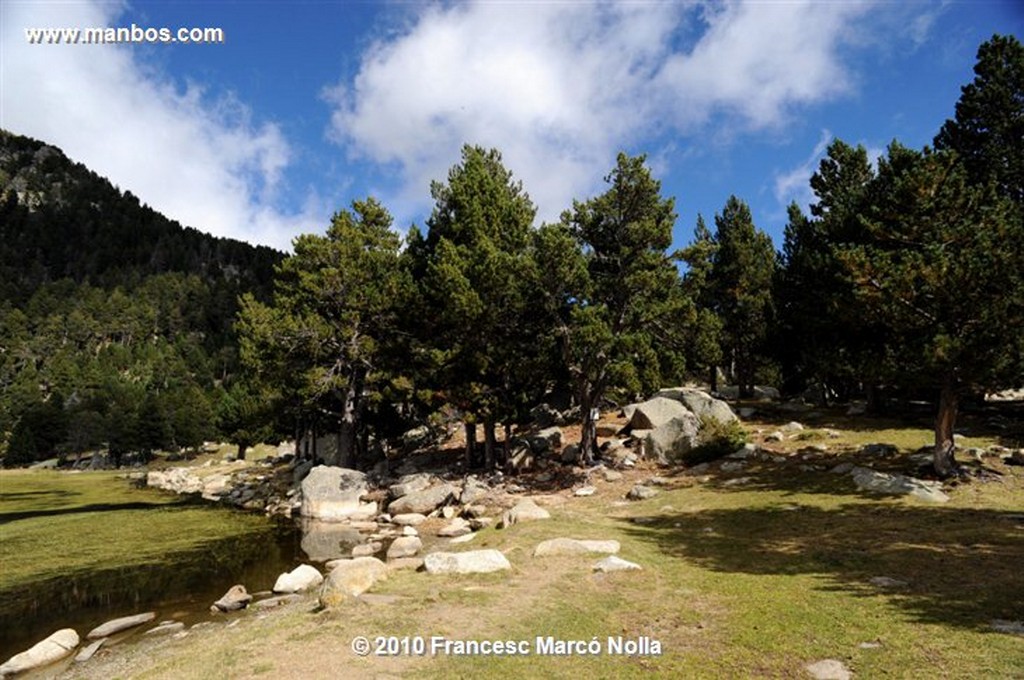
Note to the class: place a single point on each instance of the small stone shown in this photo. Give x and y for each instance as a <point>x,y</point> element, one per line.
<point>640,492</point>
<point>886,582</point>
<point>611,475</point>
<point>572,546</point>
<point>584,491</point>
<point>733,466</point>
<point>409,531</point>
<point>235,598</point>
<point>367,549</point>
<point>473,562</point>
<point>466,538</point>
<point>775,437</point>
<point>302,578</point>
<point>166,627</point>
<point>406,546</point>
<point>89,651</point>
<point>409,519</point>
<point>457,527</point>
<point>613,563</point>
<point>829,669</point>
<point>874,644</point>
<point>117,625</point>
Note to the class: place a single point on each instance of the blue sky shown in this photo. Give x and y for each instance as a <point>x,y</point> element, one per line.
<point>309,105</point>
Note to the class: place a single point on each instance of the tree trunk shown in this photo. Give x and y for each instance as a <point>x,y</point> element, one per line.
<point>714,378</point>
<point>470,444</point>
<point>945,420</point>
<point>242,446</point>
<point>506,446</point>
<point>489,444</point>
<point>588,435</point>
<point>349,432</point>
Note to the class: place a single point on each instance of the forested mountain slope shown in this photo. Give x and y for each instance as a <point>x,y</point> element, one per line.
<point>115,322</point>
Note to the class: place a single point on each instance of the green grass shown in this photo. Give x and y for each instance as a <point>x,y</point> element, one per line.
<point>750,581</point>
<point>55,524</point>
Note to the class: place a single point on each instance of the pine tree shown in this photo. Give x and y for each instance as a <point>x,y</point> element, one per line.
<point>939,266</point>
<point>625,316</point>
<point>470,269</point>
<point>742,269</point>
<point>335,303</point>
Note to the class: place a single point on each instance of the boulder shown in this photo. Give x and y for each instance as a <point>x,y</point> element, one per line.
<point>867,479</point>
<point>545,441</point>
<point>424,501</point>
<point>332,494</point>
<point>53,648</point>
<point>523,511</point>
<point>117,625</point>
<point>300,579</point>
<point>572,546</point>
<point>409,484</point>
<point>613,563</point>
<point>701,404</point>
<point>235,598</point>
<point>473,562</point>
<point>350,578</point>
<point>570,454</point>
<point>322,541</point>
<point>404,546</point>
<point>655,412</point>
<point>672,439</point>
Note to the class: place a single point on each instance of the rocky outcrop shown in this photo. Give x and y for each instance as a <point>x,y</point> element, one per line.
<point>351,578</point>
<point>332,494</point>
<point>300,579</point>
<point>53,648</point>
<point>473,562</point>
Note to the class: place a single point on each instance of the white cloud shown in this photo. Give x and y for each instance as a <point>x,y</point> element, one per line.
<point>795,184</point>
<point>560,87</point>
<point>198,159</point>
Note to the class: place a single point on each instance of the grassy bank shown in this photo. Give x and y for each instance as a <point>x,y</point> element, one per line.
<point>748,580</point>
<point>56,524</point>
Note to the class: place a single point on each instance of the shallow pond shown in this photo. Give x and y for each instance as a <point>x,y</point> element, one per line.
<point>145,568</point>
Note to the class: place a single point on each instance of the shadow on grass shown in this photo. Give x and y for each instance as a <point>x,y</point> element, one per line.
<point>6,517</point>
<point>961,567</point>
